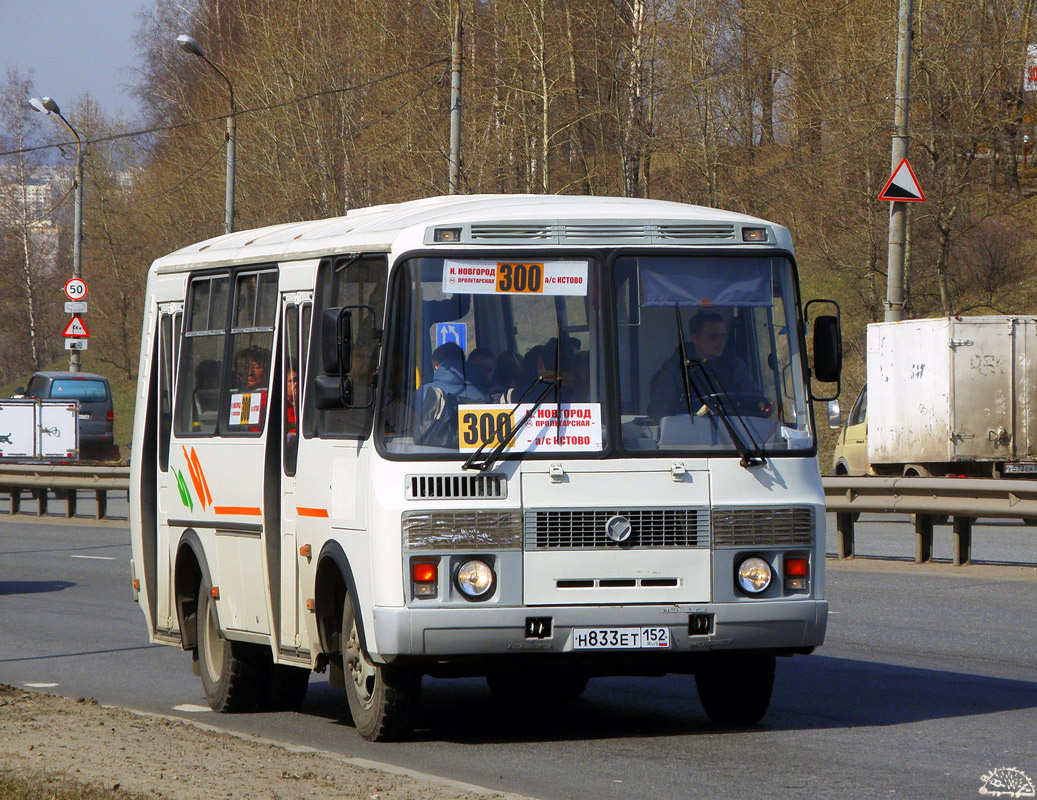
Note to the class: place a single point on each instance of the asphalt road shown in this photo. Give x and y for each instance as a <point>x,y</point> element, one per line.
<point>928,681</point>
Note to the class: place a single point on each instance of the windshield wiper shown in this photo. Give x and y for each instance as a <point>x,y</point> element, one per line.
<point>473,461</point>
<point>752,453</point>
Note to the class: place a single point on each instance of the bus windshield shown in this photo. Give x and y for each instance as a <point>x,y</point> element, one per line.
<point>708,354</point>
<point>486,354</point>
<point>478,345</point>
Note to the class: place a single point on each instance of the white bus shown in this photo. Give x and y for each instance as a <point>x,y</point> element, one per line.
<point>538,439</point>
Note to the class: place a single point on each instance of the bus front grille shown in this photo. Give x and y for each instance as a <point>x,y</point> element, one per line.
<point>586,529</point>
<point>762,527</point>
<point>454,487</point>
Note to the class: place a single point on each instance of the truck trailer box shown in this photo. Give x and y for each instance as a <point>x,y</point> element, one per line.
<point>954,390</point>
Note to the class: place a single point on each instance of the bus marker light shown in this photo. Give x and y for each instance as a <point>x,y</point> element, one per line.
<point>306,551</point>
<point>136,584</point>
<point>447,235</point>
<point>215,592</point>
<point>310,605</point>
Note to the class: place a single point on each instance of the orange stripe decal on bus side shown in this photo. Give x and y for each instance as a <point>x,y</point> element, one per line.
<point>302,511</point>
<point>244,511</point>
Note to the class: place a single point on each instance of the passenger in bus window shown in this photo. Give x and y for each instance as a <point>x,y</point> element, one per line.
<point>291,394</point>
<point>450,374</point>
<point>252,365</point>
<point>481,362</point>
<point>719,371</point>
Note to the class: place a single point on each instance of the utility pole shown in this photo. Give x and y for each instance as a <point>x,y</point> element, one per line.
<point>895,283</point>
<point>455,103</point>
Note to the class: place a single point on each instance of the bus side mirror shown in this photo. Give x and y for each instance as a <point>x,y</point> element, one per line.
<point>828,349</point>
<point>827,352</point>
<point>332,391</point>
<point>336,341</point>
<point>835,416</point>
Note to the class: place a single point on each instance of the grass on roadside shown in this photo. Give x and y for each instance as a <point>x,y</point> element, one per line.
<point>15,786</point>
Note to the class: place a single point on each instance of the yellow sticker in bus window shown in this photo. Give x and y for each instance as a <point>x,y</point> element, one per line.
<point>483,426</point>
<point>578,428</point>
<point>483,276</point>
<point>520,278</point>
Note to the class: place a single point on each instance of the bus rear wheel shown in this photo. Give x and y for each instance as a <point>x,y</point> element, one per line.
<point>382,698</point>
<point>234,674</point>
<point>735,690</point>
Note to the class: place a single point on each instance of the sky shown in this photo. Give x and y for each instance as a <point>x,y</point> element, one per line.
<point>74,47</point>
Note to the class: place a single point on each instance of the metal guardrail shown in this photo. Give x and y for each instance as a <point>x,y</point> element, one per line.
<point>963,499</point>
<point>65,480</point>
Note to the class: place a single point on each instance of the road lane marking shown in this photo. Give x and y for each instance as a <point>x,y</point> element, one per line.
<point>41,685</point>
<point>191,708</point>
<point>97,558</point>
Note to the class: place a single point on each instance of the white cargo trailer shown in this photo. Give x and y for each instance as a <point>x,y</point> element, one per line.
<point>953,396</point>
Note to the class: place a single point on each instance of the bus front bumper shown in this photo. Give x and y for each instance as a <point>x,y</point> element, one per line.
<point>792,625</point>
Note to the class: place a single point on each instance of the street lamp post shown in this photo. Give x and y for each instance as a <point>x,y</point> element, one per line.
<point>47,106</point>
<point>191,46</point>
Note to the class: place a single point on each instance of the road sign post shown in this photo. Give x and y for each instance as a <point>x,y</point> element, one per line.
<point>75,333</point>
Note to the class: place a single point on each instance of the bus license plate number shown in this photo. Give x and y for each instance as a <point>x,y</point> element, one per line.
<point>648,638</point>
<point>1020,468</point>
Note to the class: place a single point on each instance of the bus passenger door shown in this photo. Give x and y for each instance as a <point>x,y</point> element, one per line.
<point>169,321</point>
<point>295,315</point>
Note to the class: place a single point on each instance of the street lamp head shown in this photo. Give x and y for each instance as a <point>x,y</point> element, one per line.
<point>189,45</point>
<point>44,104</point>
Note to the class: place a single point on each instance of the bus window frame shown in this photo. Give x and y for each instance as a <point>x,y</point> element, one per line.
<point>313,424</point>
<point>231,273</point>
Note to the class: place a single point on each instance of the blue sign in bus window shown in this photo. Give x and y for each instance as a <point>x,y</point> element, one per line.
<point>456,332</point>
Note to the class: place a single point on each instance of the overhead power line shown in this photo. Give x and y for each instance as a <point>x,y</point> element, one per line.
<point>269,107</point>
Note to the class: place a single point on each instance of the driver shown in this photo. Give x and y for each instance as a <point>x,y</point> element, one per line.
<point>724,372</point>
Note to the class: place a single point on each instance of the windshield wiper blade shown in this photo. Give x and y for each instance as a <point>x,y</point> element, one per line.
<point>473,461</point>
<point>750,456</point>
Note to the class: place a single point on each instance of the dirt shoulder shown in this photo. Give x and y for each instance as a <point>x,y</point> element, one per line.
<point>168,758</point>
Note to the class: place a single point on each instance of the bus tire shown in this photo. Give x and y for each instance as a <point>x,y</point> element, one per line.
<point>515,689</point>
<point>735,690</point>
<point>382,698</point>
<point>287,688</point>
<point>234,674</point>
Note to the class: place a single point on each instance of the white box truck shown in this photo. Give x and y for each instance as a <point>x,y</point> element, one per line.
<point>950,396</point>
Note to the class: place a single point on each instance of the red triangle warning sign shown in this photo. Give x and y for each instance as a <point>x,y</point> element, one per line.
<point>902,186</point>
<point>75,328</point>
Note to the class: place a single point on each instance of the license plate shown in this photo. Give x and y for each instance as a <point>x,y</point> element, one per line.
<point>84,416</point>
<point>648,638</point>
<point>1028,469</point>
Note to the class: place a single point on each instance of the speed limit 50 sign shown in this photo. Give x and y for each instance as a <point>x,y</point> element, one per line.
<point>75,289</point>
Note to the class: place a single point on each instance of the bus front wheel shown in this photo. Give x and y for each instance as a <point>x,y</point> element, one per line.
<point>382,698</point>
<point>234,674</point>
<point>735,690</point>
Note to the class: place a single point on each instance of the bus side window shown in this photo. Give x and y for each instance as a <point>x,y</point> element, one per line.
<point>168,330</point>
<point>293,378</point>
<point>347,281</point>
<point>201,356</point>
<point>252,338</point>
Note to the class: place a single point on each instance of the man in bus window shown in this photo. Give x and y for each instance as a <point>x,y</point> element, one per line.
<point>720,372</point>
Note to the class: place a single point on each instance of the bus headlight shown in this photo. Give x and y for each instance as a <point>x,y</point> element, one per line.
<point>475,579</point>
<point>754,575</point>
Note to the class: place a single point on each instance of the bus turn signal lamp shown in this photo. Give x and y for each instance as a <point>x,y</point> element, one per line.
<point>797,572</point>
<point>424,579</point>
<point>754,234</point>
